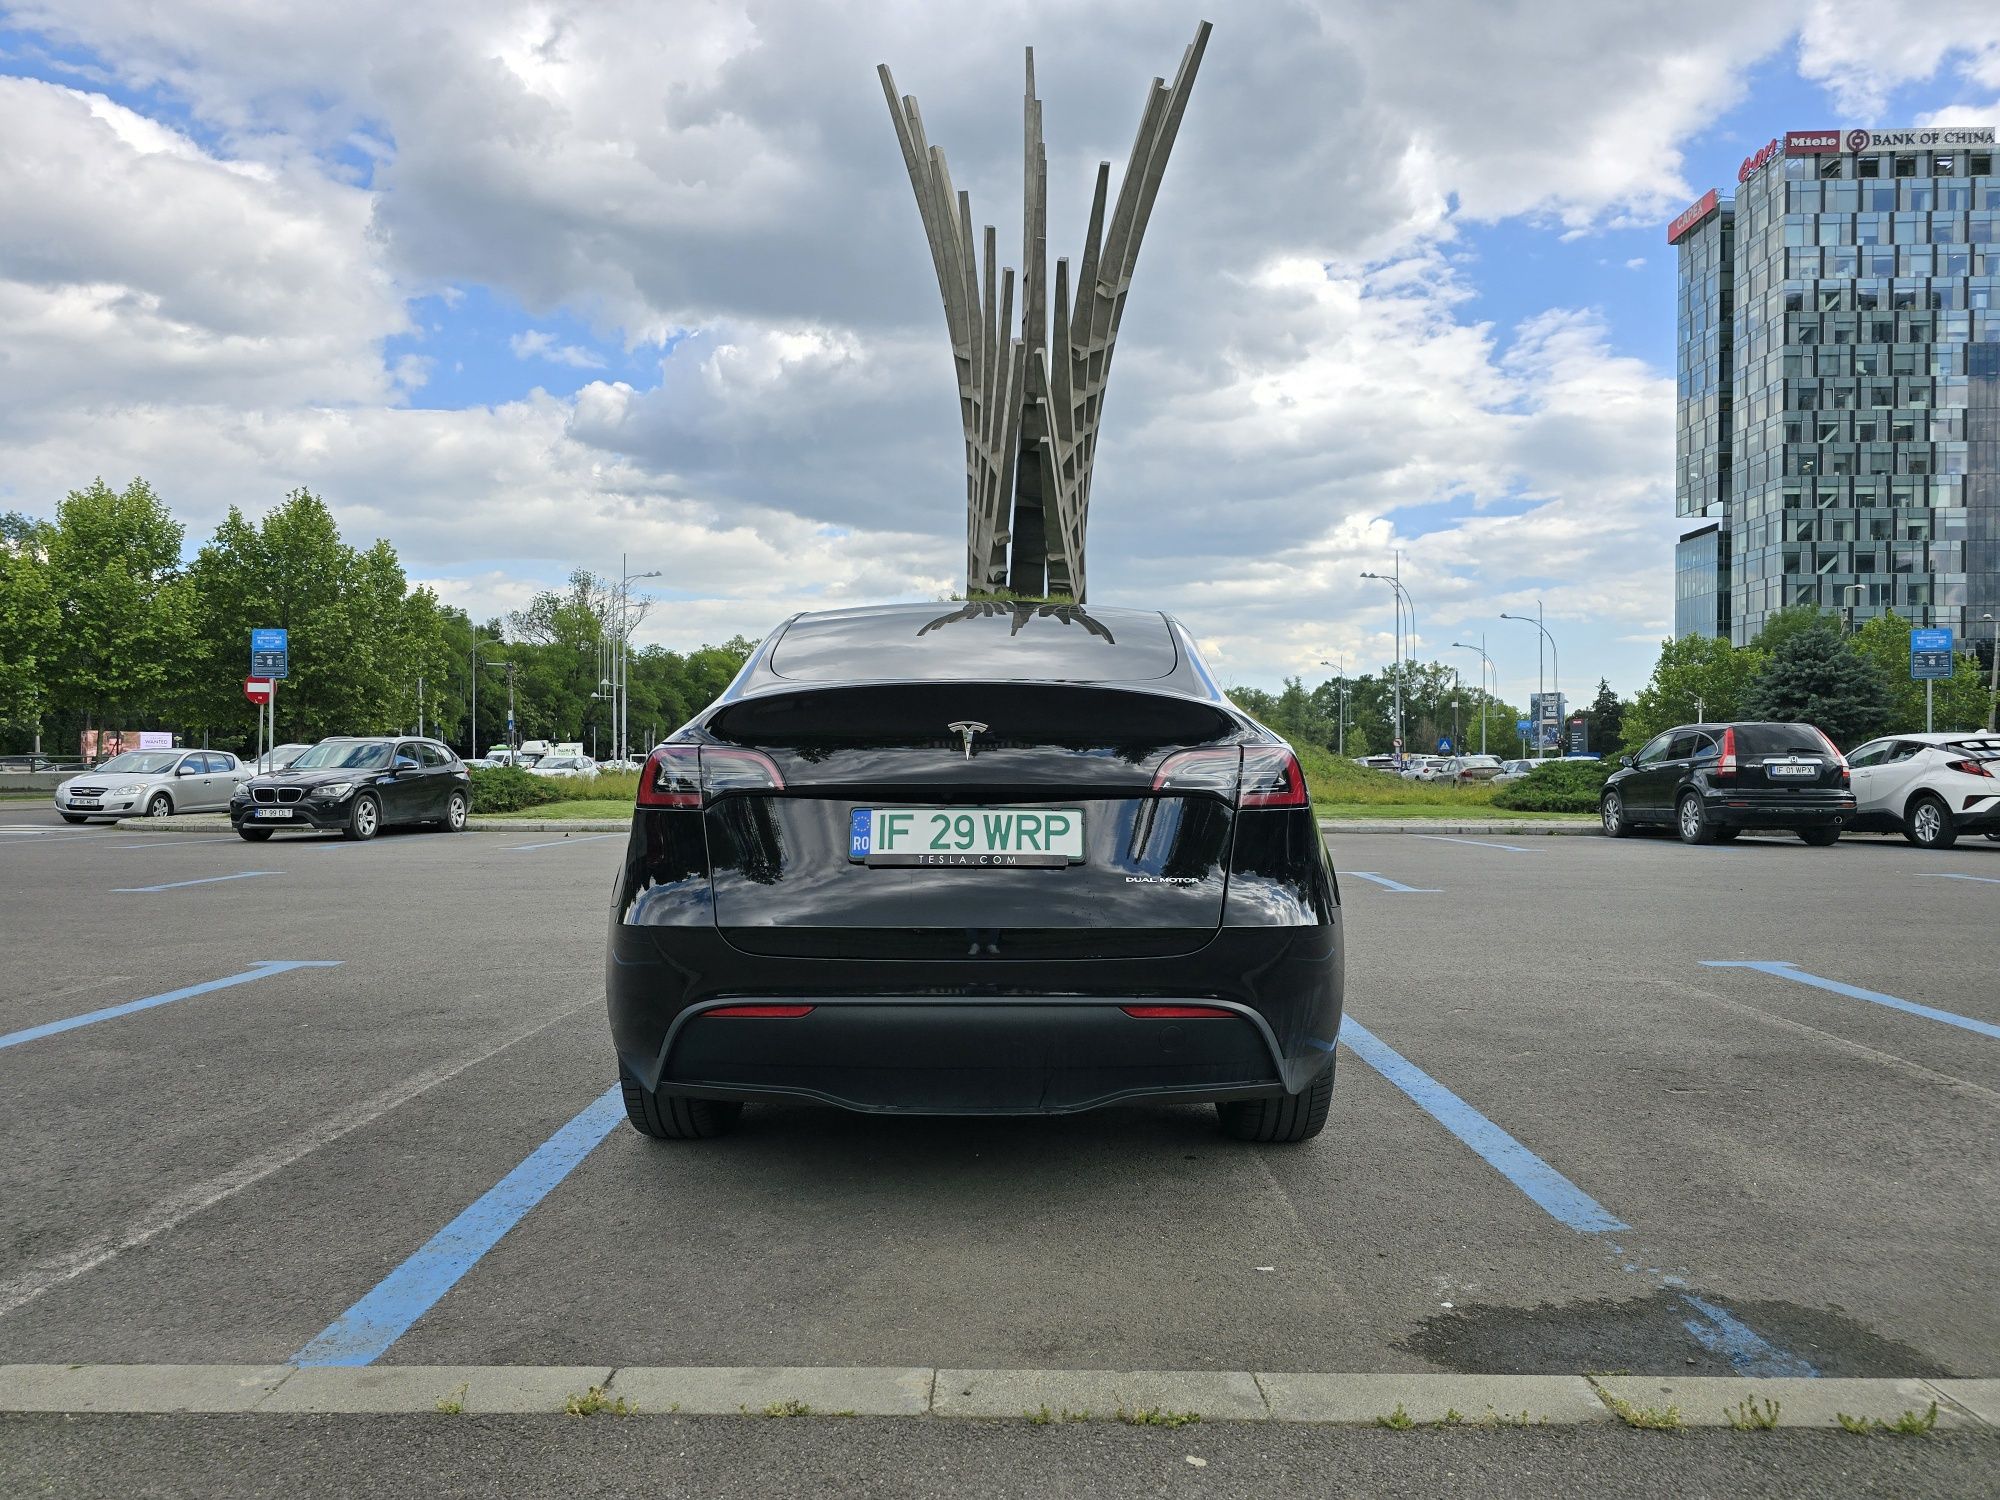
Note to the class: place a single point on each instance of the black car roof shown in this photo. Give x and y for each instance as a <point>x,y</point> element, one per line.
<point>979,641</point>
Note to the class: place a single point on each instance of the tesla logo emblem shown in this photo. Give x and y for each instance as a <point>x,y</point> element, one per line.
<point>965,729</point>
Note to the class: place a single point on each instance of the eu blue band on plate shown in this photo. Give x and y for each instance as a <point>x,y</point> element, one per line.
<point>860,832</point>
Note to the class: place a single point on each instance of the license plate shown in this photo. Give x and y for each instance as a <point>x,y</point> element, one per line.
<point>1791,770</point>
<point>271,812</point>
<point>978,837</point>
<point>85,802</point>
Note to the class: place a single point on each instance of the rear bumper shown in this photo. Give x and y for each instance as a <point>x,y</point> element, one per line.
<point>986,1035</point>
<point>916,1055</point>
<point>1779,809</point>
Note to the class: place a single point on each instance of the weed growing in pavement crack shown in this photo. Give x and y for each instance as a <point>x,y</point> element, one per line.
<point>453,1404</point>
<point>1399,1420</point>
<point>1856,1425</point>
<point>1750,1417</point>
<point>1909,1424</point>
<point>1451,1418</point>
<point>789,1409</point>
<point>1155,1416</point>
<point>595,1400</point>
<point>1647,1418</point>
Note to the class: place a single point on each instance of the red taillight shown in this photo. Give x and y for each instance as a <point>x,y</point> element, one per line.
<point>1271,778</point>
<point>672,777</point>
<point>1967,768</point>
<point>1726,766</point>
<point>1177,1012</point>
<point>1200,771</point>
<point>1831,749</point>
<point>680,775</point>
<point>766,1012</point>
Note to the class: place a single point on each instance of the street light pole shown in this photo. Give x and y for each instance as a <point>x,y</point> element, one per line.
<point>1555,659</point>
<point>1395,582</point>
<point>1485,697</point>
<point>472,734</point>
<point>1993,684</point>
<point>1339,709</point>
<point>621,701</point>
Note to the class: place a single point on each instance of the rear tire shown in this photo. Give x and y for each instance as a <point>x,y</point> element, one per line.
<point>675,1117</point>
<point>1691,821</point>
<point>1929,824</point>
<point>454,813</point>
<point>1295,1117</point>
<point>1611,809</point>
<point>255,835</point>
<point>1819,838</point>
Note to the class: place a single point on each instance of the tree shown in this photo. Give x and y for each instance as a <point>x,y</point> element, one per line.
<point>1814,677</point>
<point>1607,716</point>
<point>30,623</point>
<point>113,568</point>
<point>1961,701</point>
<point>1782,624</point>
<point>1696,676</point>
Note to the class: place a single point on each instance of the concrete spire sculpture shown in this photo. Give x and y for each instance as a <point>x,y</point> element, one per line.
<point>1031,405</point>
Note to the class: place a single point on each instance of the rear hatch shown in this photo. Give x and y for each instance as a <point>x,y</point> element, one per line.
<point>972,821</point>
<point>1782,758</point>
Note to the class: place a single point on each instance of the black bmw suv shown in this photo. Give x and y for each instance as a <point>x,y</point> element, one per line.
<point>357,787</point>
<point>978,859</point>
<point>1709,782</point>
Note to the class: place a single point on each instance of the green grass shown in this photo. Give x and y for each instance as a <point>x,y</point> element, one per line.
<point>587,808</point>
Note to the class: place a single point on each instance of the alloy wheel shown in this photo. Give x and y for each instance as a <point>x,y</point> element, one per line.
<point>1613,813</point>
<point>160,806</point>
<point>364,817</point>
<point>455,812</point>
<point>1927,823</point>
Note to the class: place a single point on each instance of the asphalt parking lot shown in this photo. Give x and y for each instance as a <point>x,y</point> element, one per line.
<point>1602,1106</point>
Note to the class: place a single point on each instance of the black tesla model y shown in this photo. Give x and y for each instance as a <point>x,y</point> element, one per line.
<point>975,859</point>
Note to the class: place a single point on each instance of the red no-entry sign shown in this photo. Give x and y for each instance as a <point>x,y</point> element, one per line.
<point>257,689</point>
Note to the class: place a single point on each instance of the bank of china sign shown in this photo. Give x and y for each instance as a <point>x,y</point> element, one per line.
<point>1865,142</point>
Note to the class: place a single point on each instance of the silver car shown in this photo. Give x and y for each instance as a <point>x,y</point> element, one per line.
<point>153,784</point>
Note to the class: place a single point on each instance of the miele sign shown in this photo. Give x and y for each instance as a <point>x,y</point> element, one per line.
<point>1831,142</point>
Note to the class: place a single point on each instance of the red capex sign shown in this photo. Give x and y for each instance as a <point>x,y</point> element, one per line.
<point>1692,215</point>
<point>1757,159</point>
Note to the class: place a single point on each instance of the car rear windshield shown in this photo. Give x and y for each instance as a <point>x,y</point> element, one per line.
<point>1778,739</point>
<point>978,642</point>
<point>1977,749</point>
<point>343,755</point>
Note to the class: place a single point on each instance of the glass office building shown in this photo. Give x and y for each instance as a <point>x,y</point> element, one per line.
<point>1839,382</point>
<point>1701,582</point>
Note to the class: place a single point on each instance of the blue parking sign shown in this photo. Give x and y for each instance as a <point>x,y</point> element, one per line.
<point>270,652</point>
<point>1930,654</point>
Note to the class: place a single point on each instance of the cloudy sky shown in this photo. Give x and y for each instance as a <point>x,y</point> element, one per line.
<point>525,285</point>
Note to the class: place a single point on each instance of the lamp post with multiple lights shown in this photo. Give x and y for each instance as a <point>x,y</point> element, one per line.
<point>621,687</point>
<point>1395,582</point>
<point>1340,710</point>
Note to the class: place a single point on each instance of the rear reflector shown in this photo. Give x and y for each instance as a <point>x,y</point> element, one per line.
<point>1178,1012</point>
<point>768,1012</point>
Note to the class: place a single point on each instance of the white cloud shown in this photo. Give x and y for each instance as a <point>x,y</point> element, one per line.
<point>537,343</point>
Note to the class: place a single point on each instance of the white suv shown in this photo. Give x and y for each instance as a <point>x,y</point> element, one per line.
<point>1928,787</point>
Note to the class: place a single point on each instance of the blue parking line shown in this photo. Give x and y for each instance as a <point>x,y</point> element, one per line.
<point>1982,879</point>
<point>1393,885</point>
<point>1444,838</point>
<point>1714,1328</point>
<point>263,970</point>
<point>1552,1192</point>
<point>174,885</point>
<point>1855,992</point>
<point>556,843</point>
<point>363,1333</point>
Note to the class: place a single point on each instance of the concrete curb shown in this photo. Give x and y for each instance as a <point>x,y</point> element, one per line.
<point>1167,1398</point>
<point>1537,826</point>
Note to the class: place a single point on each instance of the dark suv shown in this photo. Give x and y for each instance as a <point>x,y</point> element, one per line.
<point>1712,781</point>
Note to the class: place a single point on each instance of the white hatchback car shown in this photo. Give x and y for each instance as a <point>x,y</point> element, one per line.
<point>1928,787</point>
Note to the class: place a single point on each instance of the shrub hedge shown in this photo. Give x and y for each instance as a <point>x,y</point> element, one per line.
<point>1558,786</point>
<point>509,788</point>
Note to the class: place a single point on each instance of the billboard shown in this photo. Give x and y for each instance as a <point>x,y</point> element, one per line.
<point>1692,215</point>
<point>1936,138</point>
<point>1812,142</point>
<point>102,744</point>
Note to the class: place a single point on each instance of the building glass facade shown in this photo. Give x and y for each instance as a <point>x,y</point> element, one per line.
<point>1701,583</point>
<point>1861,467</point>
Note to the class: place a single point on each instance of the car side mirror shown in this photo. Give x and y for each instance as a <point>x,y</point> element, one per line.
<point>185,771</point>
<point>1625,761</point>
